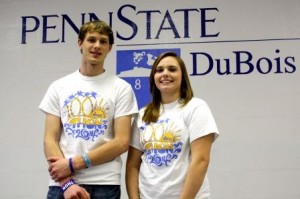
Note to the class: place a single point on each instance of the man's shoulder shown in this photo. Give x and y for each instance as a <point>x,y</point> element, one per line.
<point>66,77</point>
<point>118,81</point>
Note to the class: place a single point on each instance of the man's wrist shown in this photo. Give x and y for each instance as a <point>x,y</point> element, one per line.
<point>71,165</point>
<point>86,160</point>
<point>78,163</point>
<point>67,184</point>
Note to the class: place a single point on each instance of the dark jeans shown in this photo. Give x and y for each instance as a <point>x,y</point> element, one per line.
<point>95,191</point>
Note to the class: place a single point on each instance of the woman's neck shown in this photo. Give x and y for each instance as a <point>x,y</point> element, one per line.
<point>166,99</point>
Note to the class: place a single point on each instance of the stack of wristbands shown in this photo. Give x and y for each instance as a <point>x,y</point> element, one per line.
<point>71,182</point>
<point>86,160</point>
<point>71,165</point>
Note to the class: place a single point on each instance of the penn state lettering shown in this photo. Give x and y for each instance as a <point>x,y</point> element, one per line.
<point>201,19</point>
<point>242,64</point>
<point>167,22</point>
<point>31,24</point>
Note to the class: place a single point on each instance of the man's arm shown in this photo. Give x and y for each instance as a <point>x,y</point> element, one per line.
<point>53,129</point>
<point>59,168</point>
<point>111,149</point>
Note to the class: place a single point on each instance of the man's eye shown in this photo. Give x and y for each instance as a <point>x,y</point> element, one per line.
<point>91,40</point>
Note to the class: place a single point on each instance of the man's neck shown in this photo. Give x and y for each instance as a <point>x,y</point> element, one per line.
<point>91,70</point>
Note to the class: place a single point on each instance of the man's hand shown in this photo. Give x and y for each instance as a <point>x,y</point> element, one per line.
<point>58,168</point>
<point>76,192</point>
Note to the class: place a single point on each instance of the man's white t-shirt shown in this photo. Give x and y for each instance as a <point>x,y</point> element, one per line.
<point>166,148</point>
<point>87,107</point>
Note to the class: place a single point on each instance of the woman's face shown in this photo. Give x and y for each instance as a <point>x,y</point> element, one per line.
<point>168,77</point>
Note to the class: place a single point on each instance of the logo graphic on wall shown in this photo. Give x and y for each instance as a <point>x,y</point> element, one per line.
<point>134,66</point>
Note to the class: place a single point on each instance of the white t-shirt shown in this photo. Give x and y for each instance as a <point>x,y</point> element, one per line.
<point>166,148</point>
<point>87,107</point>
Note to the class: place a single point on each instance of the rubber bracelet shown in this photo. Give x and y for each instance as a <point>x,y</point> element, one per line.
<point>86,160</point>
<point>71,165</point>
<point>67,184</point>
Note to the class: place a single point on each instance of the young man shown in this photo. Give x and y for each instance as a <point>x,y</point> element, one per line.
<point>88,122</point>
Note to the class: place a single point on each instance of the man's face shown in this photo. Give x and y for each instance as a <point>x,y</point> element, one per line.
<point>94,48</point>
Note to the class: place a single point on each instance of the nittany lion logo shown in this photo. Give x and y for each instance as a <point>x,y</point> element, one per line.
<point>135,66</point>
<point>140,56</point>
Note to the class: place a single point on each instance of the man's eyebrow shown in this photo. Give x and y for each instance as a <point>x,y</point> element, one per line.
<point>91,36</point>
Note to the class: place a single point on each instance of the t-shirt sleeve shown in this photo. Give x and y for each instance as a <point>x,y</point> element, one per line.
<point>126,103</point>
<point>200,121</point>
<point>135,135</point>
<point>50,101</point>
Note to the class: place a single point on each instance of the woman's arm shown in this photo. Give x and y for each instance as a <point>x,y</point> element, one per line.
<point>132,172</point>
<point>200,156</point>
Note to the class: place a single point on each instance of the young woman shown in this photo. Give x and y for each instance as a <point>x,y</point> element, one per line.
<point>172,138</point>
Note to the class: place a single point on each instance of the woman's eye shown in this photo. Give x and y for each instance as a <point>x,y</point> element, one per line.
<point>159,69</point>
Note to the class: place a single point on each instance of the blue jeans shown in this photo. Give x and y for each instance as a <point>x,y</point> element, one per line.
<point>95,191</point>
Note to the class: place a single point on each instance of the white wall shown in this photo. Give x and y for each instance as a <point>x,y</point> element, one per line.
<point>257,153</point>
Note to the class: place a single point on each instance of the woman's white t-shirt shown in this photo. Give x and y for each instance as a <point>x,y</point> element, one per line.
<point>166,148</point>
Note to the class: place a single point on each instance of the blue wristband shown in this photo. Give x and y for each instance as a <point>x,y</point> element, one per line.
<point>71,165</point>
<point>86,160</point>
<point>67,184</point>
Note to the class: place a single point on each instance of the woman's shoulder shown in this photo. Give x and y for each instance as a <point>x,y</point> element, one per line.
<point>195,101</point>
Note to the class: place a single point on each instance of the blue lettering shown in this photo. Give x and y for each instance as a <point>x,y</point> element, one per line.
<point>247,62</point>
<point>148,21</point>
<point>290,64</point>
<point>92,16</point>
<point>277,60</point>
<point>24,26</point>
<point>46,27</point>
<point>186,20</point>
<point>287,62</point>
<point>259,67</point>
<point>244,64</point>
<point>195,63</point>
<point>172,26</point>
<point>128,22</point>
<point>204,21</point>
<point>66,18</point>
<point>167,23</point>
<point>227,67</point>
